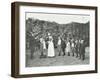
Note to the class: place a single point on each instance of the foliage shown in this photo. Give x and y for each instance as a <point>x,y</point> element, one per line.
<point>38,28</point>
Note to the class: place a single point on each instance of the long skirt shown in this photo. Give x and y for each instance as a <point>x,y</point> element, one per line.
<point>68,49</point>
<point>51,52</point>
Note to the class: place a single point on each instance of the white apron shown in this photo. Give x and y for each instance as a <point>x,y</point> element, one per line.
<point>51,52</point>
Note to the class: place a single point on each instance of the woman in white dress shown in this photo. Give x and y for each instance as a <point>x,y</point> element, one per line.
<point>51,52</point>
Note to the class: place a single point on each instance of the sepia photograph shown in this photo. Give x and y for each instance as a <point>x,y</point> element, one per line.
<point>57,39</point>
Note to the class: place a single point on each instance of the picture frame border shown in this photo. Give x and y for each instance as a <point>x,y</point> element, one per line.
<point>15,38</point>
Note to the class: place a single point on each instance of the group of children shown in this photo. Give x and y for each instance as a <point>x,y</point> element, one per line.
<point>71,46</point>
<point>64,46</point>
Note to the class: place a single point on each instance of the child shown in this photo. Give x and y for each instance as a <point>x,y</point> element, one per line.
<point>42,48</point>
<point>73,47</point>
<point>68,47</point>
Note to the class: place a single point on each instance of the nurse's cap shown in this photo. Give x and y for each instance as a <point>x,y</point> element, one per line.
<point>48,34</point>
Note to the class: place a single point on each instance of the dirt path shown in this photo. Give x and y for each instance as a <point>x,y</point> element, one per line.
<point>55,61</point>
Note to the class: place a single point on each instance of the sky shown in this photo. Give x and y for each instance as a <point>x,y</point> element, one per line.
<point>59,18</point>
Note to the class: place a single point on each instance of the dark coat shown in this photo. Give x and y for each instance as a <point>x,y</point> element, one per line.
<point>63,44</point>
<point>82,48</point>
<point>32,42</point>
<point>47,39</point>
